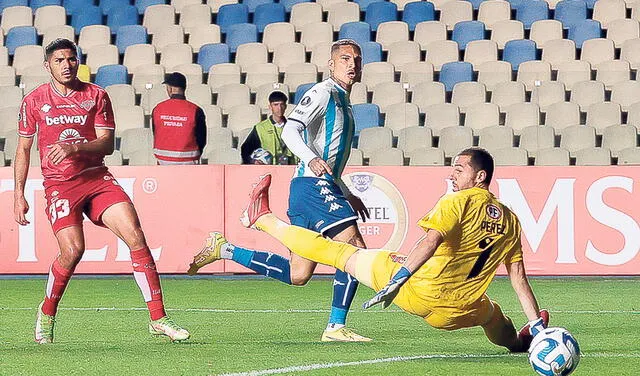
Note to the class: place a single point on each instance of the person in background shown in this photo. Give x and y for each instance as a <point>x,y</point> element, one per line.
<point>266,135</point>
<point>179,126</point>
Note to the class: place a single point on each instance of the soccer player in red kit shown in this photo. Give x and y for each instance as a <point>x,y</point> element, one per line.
<point>75,128</point>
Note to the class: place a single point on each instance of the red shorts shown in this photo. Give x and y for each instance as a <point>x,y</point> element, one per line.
<point>89,193</point>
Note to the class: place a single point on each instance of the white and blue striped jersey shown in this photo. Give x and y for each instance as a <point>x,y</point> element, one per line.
<point>324,120</point>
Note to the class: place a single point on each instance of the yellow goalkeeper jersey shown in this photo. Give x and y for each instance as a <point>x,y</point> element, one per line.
<point>479,233</point>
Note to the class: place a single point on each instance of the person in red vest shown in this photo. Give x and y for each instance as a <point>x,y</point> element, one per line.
<point>179,126</point>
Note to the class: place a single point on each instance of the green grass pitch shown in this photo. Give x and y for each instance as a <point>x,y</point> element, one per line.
<point>262,327</point>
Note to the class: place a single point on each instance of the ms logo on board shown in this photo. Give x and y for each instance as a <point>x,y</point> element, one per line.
<point>388,222</point>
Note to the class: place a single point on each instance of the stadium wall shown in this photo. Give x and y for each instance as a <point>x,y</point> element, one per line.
<point>575,220</point>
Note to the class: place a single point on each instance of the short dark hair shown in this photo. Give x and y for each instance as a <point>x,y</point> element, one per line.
<point>277,96</point>
<point>345,42</point>
<point>480,160</point>
<point>59,44</point>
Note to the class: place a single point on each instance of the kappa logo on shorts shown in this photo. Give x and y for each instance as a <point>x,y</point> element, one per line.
<point>325,191</point>
<point>334,206</point>
<point>494,212</point>
<point>322,183</point>
<point>329,198</point>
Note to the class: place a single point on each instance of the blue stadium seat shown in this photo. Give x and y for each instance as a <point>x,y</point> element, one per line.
<point>476,3</point>
<point>71,6</point>
<point>358,31</point>
<point>591,3</point>
<point>35,4</point>
<point>518,51</point>
<point>288,4</point>
<point>111,75</point>
<point>20,36</point>
<point>467,31</point>
<point>365,115</point>
<point>129,35</point>
<point>297,97</point>
<point>378,13</point>
<point>418,11</point>
<point>240,34</point>
<point>454,72</point>
<point>121,16</point>
<point>371,52</point>
<point>232,14</point>
<point>108,5</point>
<point>212,54</point>
<point>531,11</point>
<point>254,4</point>
<point>515,4</point>
<point>570,12</point>
<point>268,13</point>
<point>90,15</point>
<point>142,5</point>
<point>364,4</point>
<point>584,30</point>
<point>13,3</point>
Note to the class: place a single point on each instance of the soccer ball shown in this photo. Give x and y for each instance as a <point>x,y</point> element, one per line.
<point>261,156</point>
<point>554,352</point>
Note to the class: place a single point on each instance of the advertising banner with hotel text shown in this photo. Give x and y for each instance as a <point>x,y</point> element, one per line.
<point>575,220</point>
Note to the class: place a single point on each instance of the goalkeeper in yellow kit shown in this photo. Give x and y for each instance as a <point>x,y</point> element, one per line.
<point>469,233</point>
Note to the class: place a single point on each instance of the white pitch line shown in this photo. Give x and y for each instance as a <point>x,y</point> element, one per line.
<point>313,367</point>
<point>281,311</point>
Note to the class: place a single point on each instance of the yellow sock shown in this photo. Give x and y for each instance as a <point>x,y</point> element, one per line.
<point>306,243</point>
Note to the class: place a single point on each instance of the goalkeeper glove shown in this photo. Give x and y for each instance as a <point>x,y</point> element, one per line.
<point>389,292</point>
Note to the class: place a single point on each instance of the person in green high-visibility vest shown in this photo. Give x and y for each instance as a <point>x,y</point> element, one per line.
<point>267,135</point>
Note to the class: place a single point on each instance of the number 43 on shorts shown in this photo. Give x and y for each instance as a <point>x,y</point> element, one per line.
<point>59,209</point>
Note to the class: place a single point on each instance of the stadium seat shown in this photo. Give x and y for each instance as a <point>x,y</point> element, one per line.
<point>54,32</point>
<point>231,95</point>
<point>562,115</point>
<point>491,12</point>
<point>401,53</point>
<point>521,115</point>
<point>358,31</point>
<point>364,4</point>
<point>626,94</point>
<point>289,4</point>
<point>504,31</point>
<point>93,35</point>
<point>240,34</point>
<point>441,52</point>
<point>571,72</point>
<point>129,35</point>
<point>365,115</point>
<point>482,115</point>
<point>429,31</point>
<point>584,30</point>
<point>7,78</point>
<point>232,14</point>
<point>532,11</point>
<point>558,51</point>
<point>204,34</point>
<point>316,33</point>
<point>426,156</point>
<point>495,137</point>
<point>380,12</point>
<point>570,13</point>
<point>34,77</point>
<point>158,17</point>
<point>577,137</point>
<point>387,157</point>
<point>121,95</point>
<point>122,16</point>
<point>620,31</point>
<point>261,74</point>
<point>139,54</point>
<point>268,13</point>
<point>97,56</point>
<point>481,51</point>
<point>300,92</point>
<point>211,54</point>
<point>152,96</point>
<point>629,156</point>
<point>518,51</point>
<point>113,159</point>
<point>391,32</point>
<point>278,33</point>
<point>26,57</point>
<point>552,157</point>
<point>375,73</point>
<point>493,73</point>
<point>356,158</point>
<point>619,137</point>
<point>371,52</point>
<point>547,94</point>
<point>342,13</point>
<point>415,73</point>
<point>16,16</point>
<point>90,15</point>
<point>603,114</point>
<point>533,73</point>
<point>254,4</point>
<point>213,115</point>
<point>111,75</point>
<point>8,116</point>
<point>223,156</point>
<point>251,53</point>
<point>72,6</point>
<point>416,12</point>
<point>586,93</point>
<point>536,138</point>
<point>596,51</point>
<point>142,5</point>
<point>20,36</point>
<point>467,31</point>
<point>428,93</point>
<point>593,156</point>
<point>49,16</point>
<point>192,72</point>
<point>175,54</point>
<point>453,12</point>
<point>131,117</point>
<point>612,72</point>
<point>288,53</point>
<point>358,93</point>
<point>242,116</point>
<point>468,93</point>
<point>12,3</point>
<point>373,140</point>
<point>305,13</point>
<point>413,138</point>
<point>441,116</point>
<point>455,72</point>
<point>508,93</point>
<point>510,156</point>
<point>194,16</point>
<point>109,5</point>
<point>545,30</point>
<point>610,10</point>
<point>454,139</point>
<point>388,93</point>
<point>199,94</point>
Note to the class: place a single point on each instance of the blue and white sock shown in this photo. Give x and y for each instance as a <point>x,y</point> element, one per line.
<point>264,263</point>
<point>344,290</point>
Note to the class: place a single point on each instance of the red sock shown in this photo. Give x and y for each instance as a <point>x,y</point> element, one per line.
<point>58,279</point>
<point>148,280</point>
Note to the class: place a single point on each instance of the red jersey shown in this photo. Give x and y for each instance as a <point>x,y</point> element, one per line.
<point>68,119</point>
